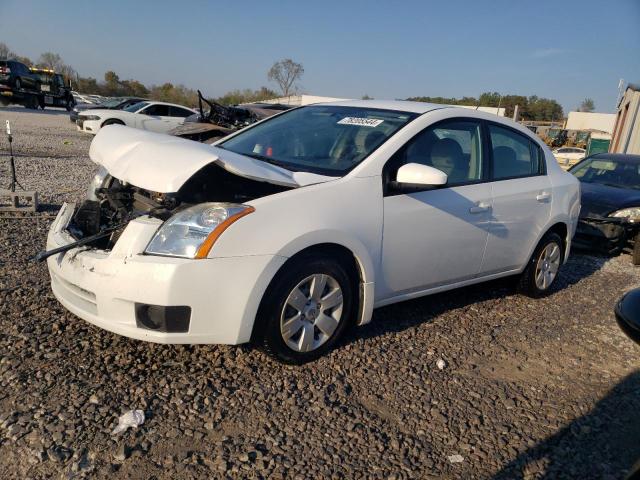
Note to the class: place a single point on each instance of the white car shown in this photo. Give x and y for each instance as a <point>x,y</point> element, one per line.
<point>569,156</point>
<point>83,99</point>
<point>157,117</point>
<point>295,228</point>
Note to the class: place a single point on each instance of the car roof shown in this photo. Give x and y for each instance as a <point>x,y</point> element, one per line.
<point>398,105</point>
<point>153,102</point>
<point>620,157</point>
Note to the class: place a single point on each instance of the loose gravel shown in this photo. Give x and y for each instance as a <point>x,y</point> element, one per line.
<point>474,383</point>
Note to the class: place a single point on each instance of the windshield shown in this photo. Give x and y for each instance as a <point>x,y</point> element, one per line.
<point>136,106</point>
<point>112,102</point>
<point>327,140</point>
<point>608,171</point>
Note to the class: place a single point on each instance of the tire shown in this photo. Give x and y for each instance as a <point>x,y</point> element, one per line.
<point>276,310</point>
<point>530,282</point>
<point>112,122</point>
<point>41,102</point>
<point>32,103</point>
<point>69,105</point>
<point>635,253</point>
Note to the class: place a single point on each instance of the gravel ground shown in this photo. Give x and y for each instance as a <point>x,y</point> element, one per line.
<point>475,383</point>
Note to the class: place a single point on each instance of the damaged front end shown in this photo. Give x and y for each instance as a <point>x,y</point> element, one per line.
<point>111,203</point>
<point>608,235</point>
<point>158,176</point>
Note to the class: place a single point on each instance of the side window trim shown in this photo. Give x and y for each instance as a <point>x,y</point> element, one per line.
<point>542,164</point>
<point>392,163</point>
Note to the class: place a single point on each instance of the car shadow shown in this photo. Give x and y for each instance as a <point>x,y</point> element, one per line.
<point>601,444</point>
<point>410,313</point>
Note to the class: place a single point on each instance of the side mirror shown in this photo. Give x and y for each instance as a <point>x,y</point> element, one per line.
<point>417,175</point>
<point>627,312</point>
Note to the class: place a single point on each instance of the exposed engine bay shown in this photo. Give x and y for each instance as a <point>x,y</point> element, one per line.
<point>112,203</point>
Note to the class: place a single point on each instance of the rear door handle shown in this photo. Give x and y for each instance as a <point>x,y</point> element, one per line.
<point>480,207</point>
<point>543,197</point>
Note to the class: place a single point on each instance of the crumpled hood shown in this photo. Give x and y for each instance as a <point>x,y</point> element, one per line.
<point>162,163</point>
<point>600,200</point>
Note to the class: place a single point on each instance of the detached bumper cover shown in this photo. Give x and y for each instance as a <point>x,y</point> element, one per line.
<point>606,235</point>
<point>104,287</point>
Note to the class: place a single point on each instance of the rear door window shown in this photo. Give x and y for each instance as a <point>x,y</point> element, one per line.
<point>157,110</point>
<point>513,154</point>
<point>179,112</point>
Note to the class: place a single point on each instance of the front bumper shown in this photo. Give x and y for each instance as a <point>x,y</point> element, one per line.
<point>610,236</point>
<point>103,287</point>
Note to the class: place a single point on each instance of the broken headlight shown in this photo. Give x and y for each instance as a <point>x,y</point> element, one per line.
<point>192,232</point>
<point>98,181</point>
<point>632,214</point>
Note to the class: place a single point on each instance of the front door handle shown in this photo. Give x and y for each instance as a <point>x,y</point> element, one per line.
<point>480,207</point>
<point>543,197</point>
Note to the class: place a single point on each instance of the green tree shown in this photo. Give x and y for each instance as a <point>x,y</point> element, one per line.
<point>235,97</point>
<point>87,85</point>
<point>366,97</point>
<point>587,105</point>
<point>111,83</point>
<point>133,88</point>
<point>285,73</point>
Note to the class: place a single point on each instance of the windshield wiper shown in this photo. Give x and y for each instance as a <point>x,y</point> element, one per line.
<point>270,160</point>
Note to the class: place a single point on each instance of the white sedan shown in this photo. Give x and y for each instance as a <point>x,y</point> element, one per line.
<point>569,156</point>
<point>294,229</point>
<point>157,117</point>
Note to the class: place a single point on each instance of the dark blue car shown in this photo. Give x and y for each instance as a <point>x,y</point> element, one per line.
<point>610,214</point>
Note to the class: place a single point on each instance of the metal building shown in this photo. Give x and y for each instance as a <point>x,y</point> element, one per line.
<point>626,134</point>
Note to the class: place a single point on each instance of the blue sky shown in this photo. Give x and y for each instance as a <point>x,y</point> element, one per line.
<point>567,50</point>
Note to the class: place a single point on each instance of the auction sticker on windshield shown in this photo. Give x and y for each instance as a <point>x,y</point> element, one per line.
<point>361,122</point>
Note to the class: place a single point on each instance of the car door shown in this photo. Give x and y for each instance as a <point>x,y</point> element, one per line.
<point>522,197</point>
<point>27,78</point>
<point>436,236</point>
<point>178,114</point>
<point>155,118</point>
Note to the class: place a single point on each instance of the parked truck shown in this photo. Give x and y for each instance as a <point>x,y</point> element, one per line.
<point>33,87</point>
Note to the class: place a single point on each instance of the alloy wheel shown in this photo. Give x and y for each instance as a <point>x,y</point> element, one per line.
<point>547,266</point>
<point>311,313</point>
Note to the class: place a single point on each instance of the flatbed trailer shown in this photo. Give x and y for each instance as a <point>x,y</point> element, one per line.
<point>50,92</point>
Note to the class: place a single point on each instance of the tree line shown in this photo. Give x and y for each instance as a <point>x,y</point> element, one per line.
<point>529,108</point>
<point>285,73</point>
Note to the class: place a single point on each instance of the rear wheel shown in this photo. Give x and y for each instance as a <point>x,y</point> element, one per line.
<point>542,270</point>
<point>306,309</point>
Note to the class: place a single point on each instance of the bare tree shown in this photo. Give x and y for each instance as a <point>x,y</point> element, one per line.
<point>5,52</point>
<point>285,73</point>
<point>51,60</point>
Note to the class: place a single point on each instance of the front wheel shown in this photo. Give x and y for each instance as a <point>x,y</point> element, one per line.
<point>306,309</point>
<point>112,122</point>
<point>542,270</point>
